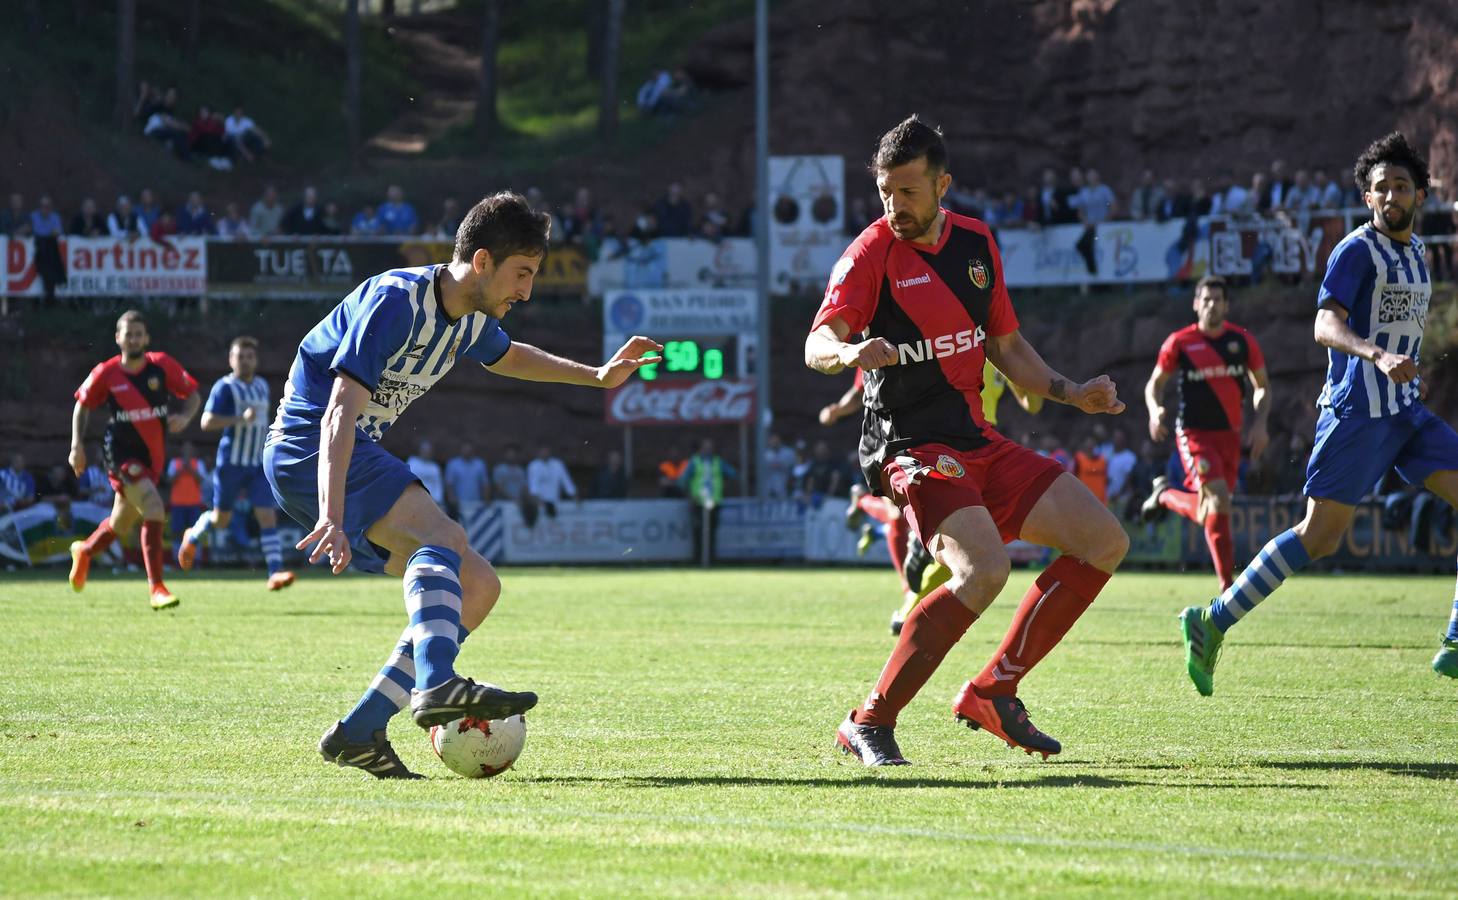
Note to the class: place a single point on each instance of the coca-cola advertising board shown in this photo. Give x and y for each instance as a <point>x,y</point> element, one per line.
<point>719,402</point>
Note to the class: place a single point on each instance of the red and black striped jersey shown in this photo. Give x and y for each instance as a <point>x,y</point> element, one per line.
<point>937,304</point>
<point>139,406</point>
<point>1212,373</point>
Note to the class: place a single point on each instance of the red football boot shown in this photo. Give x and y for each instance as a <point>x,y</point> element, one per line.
<point>1004,717</point>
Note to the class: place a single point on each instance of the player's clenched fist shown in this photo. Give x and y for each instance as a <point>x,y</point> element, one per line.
<point>1401,369</point>
<point>1099,395</point>
<point>872,354</point>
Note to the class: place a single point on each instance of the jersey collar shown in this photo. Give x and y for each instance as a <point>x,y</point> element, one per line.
<point>936,248</point>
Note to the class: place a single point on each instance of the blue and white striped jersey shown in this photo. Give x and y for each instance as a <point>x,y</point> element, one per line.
<point>392,336</point>
<point>242,444</point>
<point>1385,288</point>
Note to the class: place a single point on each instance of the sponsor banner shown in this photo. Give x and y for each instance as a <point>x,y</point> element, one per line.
<point>686,263</point>
<point>330,267</point>
<point>661,313</point>
<point>718,402</point>
<point>34,535</point>
<point>807,220</point>
<point>599,531</point>
<point>1123,252</point>
<point>751,529</point>
<point>827,540</point>
<point>1288,247</point>
<point>113,267</point>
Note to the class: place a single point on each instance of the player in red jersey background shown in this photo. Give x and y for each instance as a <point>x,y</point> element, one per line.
<point>923,291</point>
<point>138,389</point>
<point>1211,362</point>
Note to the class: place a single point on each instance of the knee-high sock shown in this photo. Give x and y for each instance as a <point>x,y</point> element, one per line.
<point>152,551</point>
<point>272,549</point>
<point>1281,556</point>
<point>1222,547</point>
<point>896,532</point>
<point>388,693</point>
<point>433,603</point>
<point>100,539</point>
<point>199,528</point>
<point>1452,634</point>
<point>1049,608</point>
<point>931,630</point>
<point>1185,503</point>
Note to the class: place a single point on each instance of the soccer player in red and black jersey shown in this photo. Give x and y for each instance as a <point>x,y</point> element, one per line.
<point>139,389</point>
<point>1212,360</point>
<point>922,290</point>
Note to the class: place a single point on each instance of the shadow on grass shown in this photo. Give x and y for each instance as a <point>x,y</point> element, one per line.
<point>878,781</point>
<point>1432,771</point>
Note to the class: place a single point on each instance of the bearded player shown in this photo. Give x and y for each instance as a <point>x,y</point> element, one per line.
<point>238,407</point>
<point>922,289</point>
<point>139,388</point>
<point>1212,361</point>
<point>356,372</point>
<point>1370,316</point>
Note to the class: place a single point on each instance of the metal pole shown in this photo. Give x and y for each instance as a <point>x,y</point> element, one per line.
<point>761,239</point>
<point>628,455</point>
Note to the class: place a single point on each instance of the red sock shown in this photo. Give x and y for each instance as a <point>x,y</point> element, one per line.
<point>100,539</point>
<point>931,630</point>
<point>152,551</point>
<point>1222,547</point>
<point>896,532</point>
<point>1049,609</point>
<point>1182,502</point>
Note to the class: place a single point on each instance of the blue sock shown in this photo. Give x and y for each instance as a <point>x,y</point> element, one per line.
<point>272,549</point>
<point>433,602</point>
<point>388,693</point>
<point>1452,634</point>
<point>1278,559</point>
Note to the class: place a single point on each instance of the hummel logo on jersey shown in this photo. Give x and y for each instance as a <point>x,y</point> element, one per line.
<point>414,352</point>
<point>941,346</point>
<point>912,282</point>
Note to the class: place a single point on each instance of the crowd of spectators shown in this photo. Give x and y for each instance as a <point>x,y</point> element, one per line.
<point>220,141</point>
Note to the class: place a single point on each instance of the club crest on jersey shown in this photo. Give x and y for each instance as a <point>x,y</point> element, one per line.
<point>977,271</point>
<point>950,467</point>
<point>1233,346</point>
<point>153,383</point>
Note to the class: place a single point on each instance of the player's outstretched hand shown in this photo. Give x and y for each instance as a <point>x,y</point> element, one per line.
<point>77,459</point>
<point>628,360</point>
<point>1158,431</point>
<point>826,416</point>
<point>1401,369</point>
<point>332,543</point>
<point>1099,395</point>
<point>872,354</point>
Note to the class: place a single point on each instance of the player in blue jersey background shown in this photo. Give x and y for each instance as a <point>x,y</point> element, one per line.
<point>1370,316</point>
<point>238,407</point>
<point>383,346</point>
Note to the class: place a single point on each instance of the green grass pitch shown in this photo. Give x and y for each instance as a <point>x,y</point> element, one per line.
<point>683,745</point>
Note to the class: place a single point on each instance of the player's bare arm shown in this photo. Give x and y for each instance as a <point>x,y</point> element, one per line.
<point>1016,358</point>
<point>534,364</point>
<point>215,422</point>
<point>77,457</point>
<point>1332,331</point>
<point>1154,402</point>
<point>347,400</point>
<point>178,421</point>
<point>1030,402</point>
<point>827,352</point>
<point>1260,398</point>
<point>848,403</point>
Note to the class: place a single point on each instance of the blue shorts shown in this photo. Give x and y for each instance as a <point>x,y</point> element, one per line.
<point>229,481</point>
<point>376,479</point>
<point>1351,455</point>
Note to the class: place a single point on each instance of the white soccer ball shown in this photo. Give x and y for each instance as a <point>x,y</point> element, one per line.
<point>479,748</point>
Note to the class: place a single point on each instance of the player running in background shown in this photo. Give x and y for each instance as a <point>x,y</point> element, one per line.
<point>1370,316</point>
<point>356,372</point>
<point>1211,360</point>
<point>238,407</point>
<point>139,389</point>
<point>923,289</point>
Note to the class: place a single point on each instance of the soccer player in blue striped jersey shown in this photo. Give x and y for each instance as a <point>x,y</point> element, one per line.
<point>356,372</point>
<point>1370,316</point>
<point>238,407</point>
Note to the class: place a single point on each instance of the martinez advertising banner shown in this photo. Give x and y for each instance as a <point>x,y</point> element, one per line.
<point>114,267</point>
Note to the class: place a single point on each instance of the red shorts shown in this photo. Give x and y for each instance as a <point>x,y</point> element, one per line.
<point>1209,456</point>
<point>130,472</point>
<point>932,481</point>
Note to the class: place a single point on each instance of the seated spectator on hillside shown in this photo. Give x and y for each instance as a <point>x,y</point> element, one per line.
<point>651,92</point>
<point>205,139</point>
<point>365,223</point>
<point>123,221</point>
<point>450,220</point>
<point>165,128</point>
<point>674,214</point>
<point>149,101</point>
<point>266,216</point>
<point>396,215</point>
<point>89,222</point>
<point>681,96</point>
<point>45,228</point>
<point>17,485</point>
<point>581,224</point>
<point>14,220</point>
<point>148,209</point>
<point>1328,192</point>
<point>331,223</point>
<point>164,228</point>
<point>194,217</point>
<point>232,226</point>
<point>307,217</point>
<point>244,136</point>
<point>611,480</point>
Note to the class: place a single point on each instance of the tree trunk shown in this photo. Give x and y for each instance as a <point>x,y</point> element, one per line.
<point>126,61</point>
<point>486,86</point>
<point>193,28</point>
<point>387,8</point>
<point>353,64</point>
<point>612,34</point>
<point>79,8</point>
<point>596,18</point>
<point>33,19</point>
<point>414,7</point>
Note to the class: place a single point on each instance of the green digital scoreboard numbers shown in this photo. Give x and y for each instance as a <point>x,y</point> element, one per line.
<point>695,359</point>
